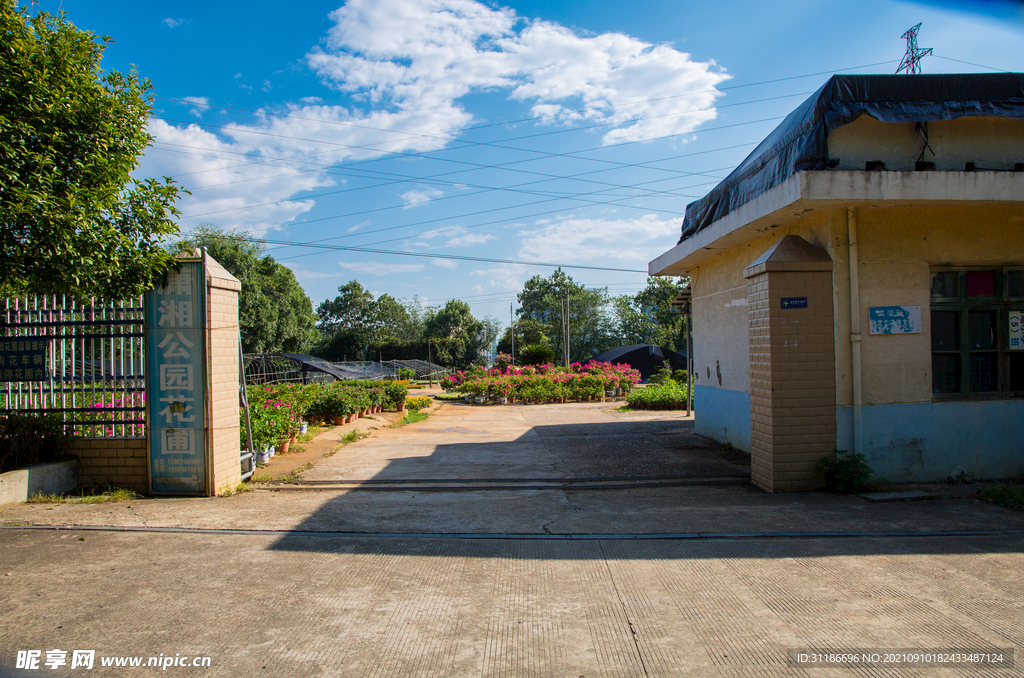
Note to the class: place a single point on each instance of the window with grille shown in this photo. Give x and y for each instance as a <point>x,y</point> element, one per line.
<point>977,333</point>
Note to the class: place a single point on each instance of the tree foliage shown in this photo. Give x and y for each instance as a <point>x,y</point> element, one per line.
<point>591,329</point>
<point>274,313</point>
<point>72,219</point>
<point>355,326</point>
<point>648,316</point>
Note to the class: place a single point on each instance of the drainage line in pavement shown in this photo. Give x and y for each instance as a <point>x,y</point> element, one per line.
<point>565,537</point>
<point>600,479</point>
<point>337,486</point>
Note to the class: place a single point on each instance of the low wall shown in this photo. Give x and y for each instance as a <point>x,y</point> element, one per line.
<point>123,462</point>
<point>930,442</point>
<point>722,415</point>
<point>56,478</point>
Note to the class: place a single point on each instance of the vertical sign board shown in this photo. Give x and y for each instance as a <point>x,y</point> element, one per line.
<point>1015,337</point>
<point>175,364</point>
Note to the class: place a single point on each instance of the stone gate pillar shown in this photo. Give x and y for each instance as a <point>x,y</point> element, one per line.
<point>192,379</point>
<point>792,364</point>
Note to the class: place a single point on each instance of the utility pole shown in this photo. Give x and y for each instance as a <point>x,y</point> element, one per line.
<point>512,331</point>
<point>568,329</point>
<point>430,367</point>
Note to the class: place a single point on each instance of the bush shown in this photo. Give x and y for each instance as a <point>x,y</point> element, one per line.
<point>417,403</point>
<point>27,440</point>
<point>846,474</point>
<point>670,395</point>
<point>396,393</point>
<point>536,354</point>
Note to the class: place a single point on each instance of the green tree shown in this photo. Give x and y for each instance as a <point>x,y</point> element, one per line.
<point>274,313</point>
<point>528,331</point>
<point>72,219</point>
<point>648,316</point>
<point>590,327</point>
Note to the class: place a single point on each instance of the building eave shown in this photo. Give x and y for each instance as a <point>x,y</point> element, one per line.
<point>808,192</point>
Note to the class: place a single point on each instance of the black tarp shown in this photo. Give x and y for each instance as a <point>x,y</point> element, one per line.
<point>647,358</point>
<point>801,141</point>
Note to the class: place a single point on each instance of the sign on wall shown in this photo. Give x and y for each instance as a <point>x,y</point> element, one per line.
<point>793,302</point>
<point>175,362</point>
<point>1016,333</point>
<point>894,319</point>
<point>23,359</point>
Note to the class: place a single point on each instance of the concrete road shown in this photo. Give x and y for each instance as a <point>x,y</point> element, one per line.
<point>679,580</point>
<point>317,605</point>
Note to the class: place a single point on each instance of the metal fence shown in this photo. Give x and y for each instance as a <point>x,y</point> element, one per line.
<point>92,374</point>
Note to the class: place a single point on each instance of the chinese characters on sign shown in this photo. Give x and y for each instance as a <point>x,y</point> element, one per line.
<point>176,359</point>
<point>1016,333</point>
<point>23,359</point>
<point>894,319</point>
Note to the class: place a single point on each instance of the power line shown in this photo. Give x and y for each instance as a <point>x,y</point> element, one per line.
<point>456,257</point>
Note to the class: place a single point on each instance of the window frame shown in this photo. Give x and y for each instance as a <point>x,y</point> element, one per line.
<point>1002,304</point>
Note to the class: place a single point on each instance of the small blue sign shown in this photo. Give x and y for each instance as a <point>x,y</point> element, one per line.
<point>794,302</point>
<point>894,320</point>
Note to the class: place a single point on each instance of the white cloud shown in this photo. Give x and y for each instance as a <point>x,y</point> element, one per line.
<point>456,237</point>
<point>445,263</point>
<point>201,105</point>
<point>620,243</point>
<point>379,267</point>
<point>419,196</point>
<point>172,23</point>
<point>407,64</point>
<point>424,55</point>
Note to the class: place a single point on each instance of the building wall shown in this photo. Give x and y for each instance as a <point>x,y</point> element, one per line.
<point>897,247</point>
<point>991,143</point>
<point>118,462</point>
<point>721,322</point>
<point>222,356</point>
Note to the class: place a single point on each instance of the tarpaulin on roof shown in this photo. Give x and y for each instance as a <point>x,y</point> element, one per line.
<point>801,141</point>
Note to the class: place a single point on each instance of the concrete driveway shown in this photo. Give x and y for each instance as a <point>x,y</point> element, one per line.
<point>698,574</point>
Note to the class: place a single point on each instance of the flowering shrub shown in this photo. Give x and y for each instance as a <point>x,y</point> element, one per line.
<point>417,403</point>
<point>546,382</point>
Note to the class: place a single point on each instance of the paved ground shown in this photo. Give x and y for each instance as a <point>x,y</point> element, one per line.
<point>565,598</point>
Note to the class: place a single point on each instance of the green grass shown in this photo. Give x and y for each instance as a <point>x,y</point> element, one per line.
<point>411,417</point>
<point>112,494</point>
<point>449,396</point>
<point>1009,495</point>
<point>624,408</point>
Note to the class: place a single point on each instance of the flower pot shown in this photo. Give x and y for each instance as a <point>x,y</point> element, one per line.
<point>401,407</point>
<point>340,419</point>
<point>350,417</point>
<point>361,414</point>
<point>271,451</point>
<point>304,429</point>
<point>502,400</point>
<point>469,399</point>
<point>283,445</point>
<point>479,400</point>
<point>263,457</point>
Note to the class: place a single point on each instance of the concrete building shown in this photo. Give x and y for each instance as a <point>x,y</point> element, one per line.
<point>858,284</point>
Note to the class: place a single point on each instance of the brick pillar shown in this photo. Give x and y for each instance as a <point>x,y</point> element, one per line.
<point>792,364</point>
<point>223,467</point>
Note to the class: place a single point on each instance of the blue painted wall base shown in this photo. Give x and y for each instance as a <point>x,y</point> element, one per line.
<point>723,415</point>
<point>930,442</point>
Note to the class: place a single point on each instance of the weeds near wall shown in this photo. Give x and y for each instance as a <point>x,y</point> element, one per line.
<point>1008,495</point>
<point>846,474</point>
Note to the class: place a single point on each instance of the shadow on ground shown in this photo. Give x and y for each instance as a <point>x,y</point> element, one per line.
<point>706,494</point>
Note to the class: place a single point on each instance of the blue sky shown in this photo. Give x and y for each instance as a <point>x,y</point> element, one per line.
<point>572,133</point>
